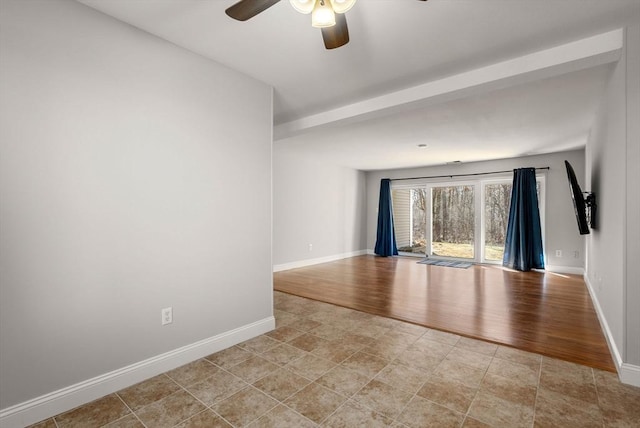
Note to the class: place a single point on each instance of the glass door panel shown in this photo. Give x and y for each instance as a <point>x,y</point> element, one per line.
<point>409,219</point>
<point>453,221</point>
<point>497,200</point>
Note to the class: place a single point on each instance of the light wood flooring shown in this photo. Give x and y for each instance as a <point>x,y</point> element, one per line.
<point>546,313</point>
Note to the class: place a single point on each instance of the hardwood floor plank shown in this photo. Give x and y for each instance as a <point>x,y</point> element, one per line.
<point>542,312</point>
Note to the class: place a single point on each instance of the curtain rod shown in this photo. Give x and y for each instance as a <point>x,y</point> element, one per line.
<point>460,175</point>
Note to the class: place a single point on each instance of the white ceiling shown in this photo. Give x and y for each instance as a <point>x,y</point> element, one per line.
<point>399,44</point>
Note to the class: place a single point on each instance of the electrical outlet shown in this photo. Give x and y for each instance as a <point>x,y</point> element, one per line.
<point>167,316</point>
<point>576,254</point>
<point>558,253</point>
<point>310,247</point>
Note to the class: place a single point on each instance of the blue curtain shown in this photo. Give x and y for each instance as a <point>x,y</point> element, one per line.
<point>386,240</point>
<point>523,243</point>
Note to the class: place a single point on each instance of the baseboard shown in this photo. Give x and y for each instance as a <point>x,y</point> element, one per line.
<point>565,269</point>
<point>628,373</point>
<point>317,261</point>
<point>65,399</point>
<point>617,357</point>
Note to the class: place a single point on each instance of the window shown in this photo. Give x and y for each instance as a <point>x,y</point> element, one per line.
<point>453,221</point>
<point>464,220</point>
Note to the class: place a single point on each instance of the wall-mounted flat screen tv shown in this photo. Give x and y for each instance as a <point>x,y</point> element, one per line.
<point>579,205</point>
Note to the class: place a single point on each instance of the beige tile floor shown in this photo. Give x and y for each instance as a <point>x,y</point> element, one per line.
<point>329,366</point>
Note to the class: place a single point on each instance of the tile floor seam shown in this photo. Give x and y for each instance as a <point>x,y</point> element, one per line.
<point>303,376</point>
<point>336,409</point>
<point>159,400</point>
<point>466,414</point>
<point>290,395</point>
<point>360,389</point>
<point>415,394</point>
<point>352,397</point>
<point>369,379</point>
<point>324,387</point>
<point>197,399</point>
<point>475,396</point>
<point>166,374</point>
<point>130,409</point>
<point>225,396</point>
<point>220,416</point>
<point>535,401</point>
<point>206,409</point>
<point>373,355</point>
<point>595,386</point>
<point>358,403</point>
<point>334,412</point>
<point>202,379</point>
<point>278,402</point>
<point>433,375</point>
<point>282,403</point>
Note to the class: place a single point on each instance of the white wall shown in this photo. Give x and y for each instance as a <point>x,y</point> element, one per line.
<point>605,162</point>
<point>612,159</point>
<point>315,203</point>
<point>134,176</point>
<point>632,218</point>
<point>561,230</point>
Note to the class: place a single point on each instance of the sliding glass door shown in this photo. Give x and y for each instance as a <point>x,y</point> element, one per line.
<point>455,220</point>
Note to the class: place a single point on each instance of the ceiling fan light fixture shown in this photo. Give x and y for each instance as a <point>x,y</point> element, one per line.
<point>303,6</point>
<point>342,6</point>
<point>323,15</point>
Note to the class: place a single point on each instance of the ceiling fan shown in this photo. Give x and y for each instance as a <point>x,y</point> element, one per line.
<point>328,15</point>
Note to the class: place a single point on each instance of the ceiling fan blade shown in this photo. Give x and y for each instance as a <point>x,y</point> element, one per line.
<point>246,9</point>
<point>338,35</point>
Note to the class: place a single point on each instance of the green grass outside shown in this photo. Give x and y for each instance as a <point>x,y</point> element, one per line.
<point>463,251</point>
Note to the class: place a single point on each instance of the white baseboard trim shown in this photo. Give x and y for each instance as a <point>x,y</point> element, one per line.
<point>565,269</point>
<point>628,373</point>
<point>617,358</point>
<point>311,262</point>
<point>62,400</point>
